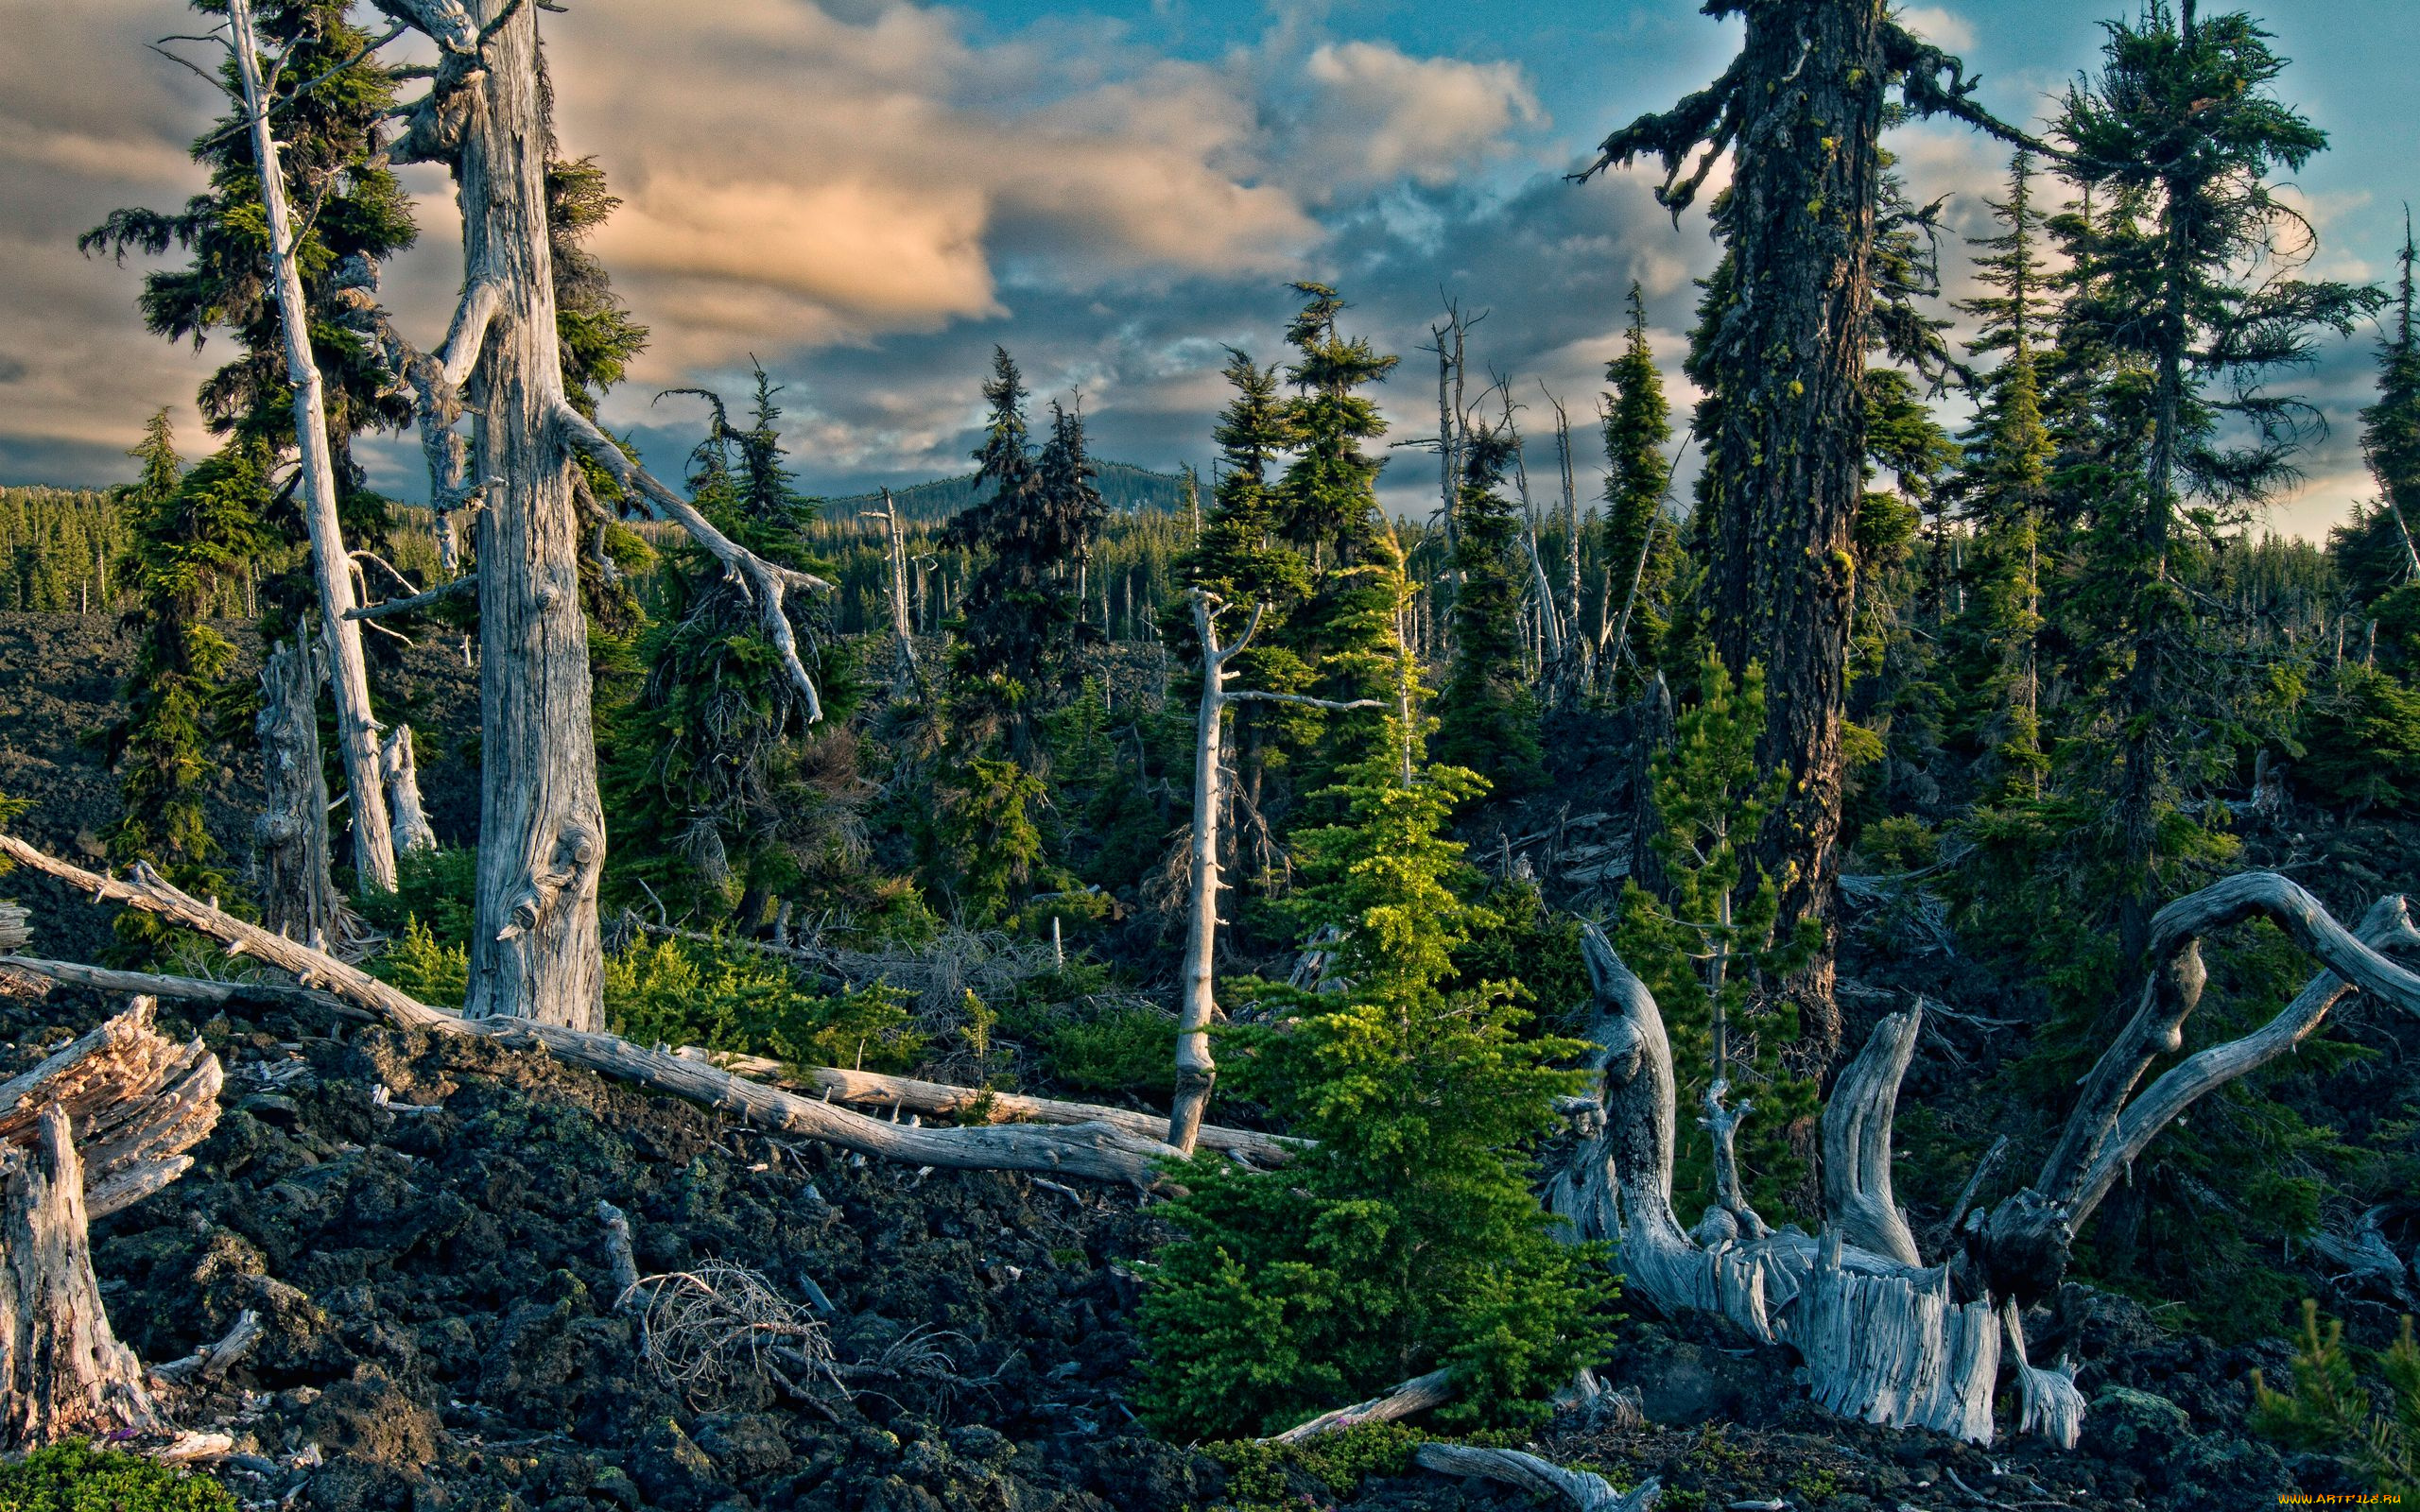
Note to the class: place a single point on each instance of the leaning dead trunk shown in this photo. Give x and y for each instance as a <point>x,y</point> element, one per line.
<point>374,858</point>
<point>299,897</point>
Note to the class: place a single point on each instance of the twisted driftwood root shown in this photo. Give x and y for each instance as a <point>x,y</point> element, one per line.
<point>1884,1337</point>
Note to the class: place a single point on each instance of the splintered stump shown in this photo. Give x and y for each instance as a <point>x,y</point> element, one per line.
<point>98,1125</point>
<point>62,1373</point>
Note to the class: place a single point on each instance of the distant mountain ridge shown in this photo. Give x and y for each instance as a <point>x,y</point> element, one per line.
<point>1124,487</point>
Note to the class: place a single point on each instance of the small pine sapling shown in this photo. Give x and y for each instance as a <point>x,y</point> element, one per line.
<point>1714,953</point>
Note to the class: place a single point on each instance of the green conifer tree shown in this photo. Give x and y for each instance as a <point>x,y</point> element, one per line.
<point>1408,1239</point>
<point>2183,130</point>
<point>1641,546</point>
<point>1487,720</point>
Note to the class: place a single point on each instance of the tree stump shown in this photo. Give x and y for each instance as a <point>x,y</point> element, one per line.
<point>62,1373</point>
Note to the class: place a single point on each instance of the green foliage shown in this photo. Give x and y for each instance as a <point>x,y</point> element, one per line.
<point>1408,1238</point>
<point>2329,1411</point>
<point>436,886</point>
<point>1490,722</point>
<point>1710,952</point>
<point>420,964</point>
<point>1123,1049</point>
<point>1641,547</point>
<point>984,841</point>
<point>2362,740</point>
<point>1261,1475</point>
<point>727,997</point>
<point>79,1478</point>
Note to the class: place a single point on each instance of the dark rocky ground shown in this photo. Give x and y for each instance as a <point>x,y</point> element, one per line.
<point>444,1332</point>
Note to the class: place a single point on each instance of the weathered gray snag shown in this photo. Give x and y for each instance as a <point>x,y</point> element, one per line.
<point>1196,1070</point>
<point>412,831</point>
<point>298,893</point>
<point>903,633</point>
<point>373,859</point>
<point>1884,1337</point>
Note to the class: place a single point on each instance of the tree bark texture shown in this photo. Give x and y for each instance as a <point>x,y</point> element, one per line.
<point>412,831</point>
<point>136,1102</point>
<point>373,859</point>
<point>299,896</point>
<point>535,946</point>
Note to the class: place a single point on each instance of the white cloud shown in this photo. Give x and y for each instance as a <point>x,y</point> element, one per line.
<point>1942,26</point>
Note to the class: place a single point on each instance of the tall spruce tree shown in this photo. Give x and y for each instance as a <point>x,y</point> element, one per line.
<point>2376,549</point>
<point>2183,131</point>
<point>2003,479</point>
<point>1799,114</point>
<point>1020,623</point>
<point>1349,630</point>
<point>1641,546</point>
<point>1487,719</point>
<point>1239,559</point>
<point>187,534</point>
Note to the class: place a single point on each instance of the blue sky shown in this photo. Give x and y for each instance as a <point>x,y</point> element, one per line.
<point>865,195</point>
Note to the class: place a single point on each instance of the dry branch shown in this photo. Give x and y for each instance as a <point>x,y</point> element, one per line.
<point>1539,1477</point>
<point>191,988</point>
<point>761,581</point>
<point>138,1102</point>
<point>1418,1395</point>
<point>934,1099</point>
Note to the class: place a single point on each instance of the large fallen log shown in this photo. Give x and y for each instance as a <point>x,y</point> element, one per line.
<point>935,1099</point>
<point>1539,1477</point>
<point>1096,1151</point>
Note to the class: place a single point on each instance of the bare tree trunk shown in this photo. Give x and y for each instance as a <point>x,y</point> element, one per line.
<point>1196,1071</point>
<point>298,895</point>
<point>373,859</point>
<point>904,671</point>
<point>412,831</point>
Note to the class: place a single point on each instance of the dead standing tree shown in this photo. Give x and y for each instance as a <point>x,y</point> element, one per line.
<point>373,856</point>
<point>536,947</point>
<point>1886,1337</point>
<point>1196,1070</point>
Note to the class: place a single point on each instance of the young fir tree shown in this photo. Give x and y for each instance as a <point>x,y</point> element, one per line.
<point>2003,477</point>
<point>1348,629</point>
<point>2183,131</point>
<point>1020,623</point>
<point>717,777</point>
<point>2375,550</point>
<point>1641,546</point>
<point>1239,559</point>
<point>1713,953</point>
<point>1488,721</point>
<point>1407,1238</point>
<point>188,534</point>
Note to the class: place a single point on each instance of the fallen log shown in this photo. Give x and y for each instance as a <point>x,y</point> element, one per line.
<point>934,1099</point>
<point>1094,1150</point>
<point>187,989</point>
